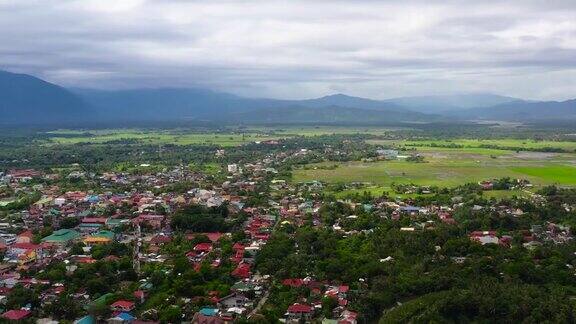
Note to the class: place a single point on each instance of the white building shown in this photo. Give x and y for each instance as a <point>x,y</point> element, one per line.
<point>232,168</point>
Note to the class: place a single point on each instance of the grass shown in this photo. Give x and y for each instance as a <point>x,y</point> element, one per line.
<point>156,137</point>
<point>229,137</point>
<point>558,174</point>
<point>450,167</point>
<point>478,143</point>
<point>326,130</point>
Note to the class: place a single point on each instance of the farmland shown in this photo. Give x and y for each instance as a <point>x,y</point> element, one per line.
<point>505,143</point>
<point>175,137</point>
<point>228,136</point>
<point>450,167</point>
<point>448,162</point>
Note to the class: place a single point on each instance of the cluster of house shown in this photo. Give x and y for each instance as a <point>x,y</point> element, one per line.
<point>143,217</point>
<point>307,310</point>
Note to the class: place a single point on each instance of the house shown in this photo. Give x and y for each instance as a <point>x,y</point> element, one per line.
<point>294,283</point>
<point>61,237</point>
<point>88,319</point>
<point>203,248</point>
<point>154,221</point>
<point>24,252</point>
<point>232,168</point>
<point>213,236</point>
<point>25,237</point>
<point>411,209</point>
<point>123,306</point>
<point>160,239</point>
<point>348,317</point>
<point>242,271</point>
<point>100,237</point>
<point>298,312</point>
<point>23,174</point>
<point>200,318</point>
<point>16,314</point>
<point>486,185</point>
<point>140,295</point>
<point>122,317</point>
<point>387,154</point>
<point>7,239</point>
<point>233,300</point>
<point>90,224</point>
<point>484,237</point>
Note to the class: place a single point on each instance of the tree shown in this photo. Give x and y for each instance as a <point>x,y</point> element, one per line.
<point>171,314</point>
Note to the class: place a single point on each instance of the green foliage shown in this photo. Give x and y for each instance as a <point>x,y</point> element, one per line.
<point>198,218</point>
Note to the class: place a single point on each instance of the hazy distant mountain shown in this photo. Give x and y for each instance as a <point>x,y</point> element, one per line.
<point>524,111</point>
<point>349,101</point>
<point>25,99</point>
<point>167,103</point>
<point>448,103</point>
<point>200,104</point>
<point>329,114</point>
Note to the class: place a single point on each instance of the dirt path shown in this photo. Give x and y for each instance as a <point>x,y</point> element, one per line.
<point>260,304</point>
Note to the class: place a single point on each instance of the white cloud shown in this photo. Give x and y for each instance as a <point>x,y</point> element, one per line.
<point>298,48</point>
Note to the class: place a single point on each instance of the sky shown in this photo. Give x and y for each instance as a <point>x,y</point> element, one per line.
<point>298,48</point>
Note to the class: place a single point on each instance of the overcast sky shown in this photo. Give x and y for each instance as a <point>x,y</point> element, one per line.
<point>298,49</point>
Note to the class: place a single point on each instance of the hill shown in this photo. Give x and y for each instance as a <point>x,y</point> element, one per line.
<point>25,99</point>
<point>448,103</point>
<point>166,103</point>
<point>330,114</point>
<point>524,111</point>
<point>343,100</point>
<point>201,104</point>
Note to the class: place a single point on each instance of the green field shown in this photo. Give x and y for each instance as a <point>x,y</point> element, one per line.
<point>560,174</point>
<point>479,143</point>
<point>229,137</point>
<point>325,130</point>
<point>156,137</point>
<point>451,167</point>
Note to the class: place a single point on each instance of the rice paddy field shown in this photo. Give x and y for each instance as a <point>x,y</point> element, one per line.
<point>482,143</point>
<point>468,160</point>
<point>155,137</point>
<point>451,167</point>
<point>228,137</point>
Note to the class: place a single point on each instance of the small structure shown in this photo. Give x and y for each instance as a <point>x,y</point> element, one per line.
<point>16,314</point>
<point>298,312</point>
<point>123,306</point>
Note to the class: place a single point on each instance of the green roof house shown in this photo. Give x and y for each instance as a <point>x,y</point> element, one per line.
<point>61,237</point>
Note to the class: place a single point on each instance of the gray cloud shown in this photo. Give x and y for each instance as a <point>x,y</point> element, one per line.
<point>298,48</point>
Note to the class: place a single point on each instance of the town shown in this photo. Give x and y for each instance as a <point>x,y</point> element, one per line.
<point>238,240</point>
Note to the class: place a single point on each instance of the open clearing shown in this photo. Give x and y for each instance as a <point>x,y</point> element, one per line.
<point>482,144</point>
<point>450,167</point>
<point>156,137</point>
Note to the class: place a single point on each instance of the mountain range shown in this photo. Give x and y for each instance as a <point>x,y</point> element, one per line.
<point>25,99</point>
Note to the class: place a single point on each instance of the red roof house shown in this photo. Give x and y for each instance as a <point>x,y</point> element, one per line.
<point>299,308</point>
<point>203,247</point>
<point>242,271</point>
<point>16,314</point>
<point>295,283</point>
<point>122,306</point>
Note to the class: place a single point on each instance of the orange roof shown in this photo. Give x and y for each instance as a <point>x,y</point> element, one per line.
<point>26,234</point>
<point>96,239</point>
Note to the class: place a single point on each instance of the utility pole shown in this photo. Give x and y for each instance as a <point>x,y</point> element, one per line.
<point>137,250</point>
